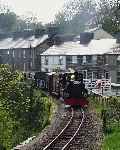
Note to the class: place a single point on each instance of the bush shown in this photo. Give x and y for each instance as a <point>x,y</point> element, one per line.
<point>24,111</point>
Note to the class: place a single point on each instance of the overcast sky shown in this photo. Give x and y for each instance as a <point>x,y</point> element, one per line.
<point>44,9</point>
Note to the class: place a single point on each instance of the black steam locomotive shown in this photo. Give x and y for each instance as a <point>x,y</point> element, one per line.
<point>66,86</point>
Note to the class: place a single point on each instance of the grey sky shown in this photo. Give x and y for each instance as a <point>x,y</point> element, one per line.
<point>44,9</point>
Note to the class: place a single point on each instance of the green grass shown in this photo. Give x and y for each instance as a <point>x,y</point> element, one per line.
<point>112,140</point>
<point>96,105</point>
<point>112,136</point>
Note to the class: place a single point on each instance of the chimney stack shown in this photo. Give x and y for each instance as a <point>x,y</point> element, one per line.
<point>86,37</point>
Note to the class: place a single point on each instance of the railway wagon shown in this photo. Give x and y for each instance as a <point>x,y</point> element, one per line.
<point>41,80</point>
<point>68,86</point>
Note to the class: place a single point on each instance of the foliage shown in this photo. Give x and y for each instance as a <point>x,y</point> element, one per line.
<point>111,120</point>
<point>109,15</point>
<point>10,22</point>
<point>24,110</point>
<point>72,19</point>
<point>60,21</point>
<point>111,141</point>
<point>76,15</point>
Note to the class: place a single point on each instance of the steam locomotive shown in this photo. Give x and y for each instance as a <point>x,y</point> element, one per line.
<point>67,86</point>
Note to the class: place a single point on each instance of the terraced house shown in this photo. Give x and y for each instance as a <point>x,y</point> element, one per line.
<point>23,52</point>
<point>96,57</point>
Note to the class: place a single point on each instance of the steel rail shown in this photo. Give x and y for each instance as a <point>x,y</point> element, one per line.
<point>83,116</point>
<point>60,132</point>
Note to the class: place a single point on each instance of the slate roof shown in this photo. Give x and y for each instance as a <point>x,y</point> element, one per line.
<point>9,43</point>
<point>100,33</point>
<point>95,47</point>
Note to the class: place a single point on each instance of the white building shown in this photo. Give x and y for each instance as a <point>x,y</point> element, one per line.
<point>95,59</point>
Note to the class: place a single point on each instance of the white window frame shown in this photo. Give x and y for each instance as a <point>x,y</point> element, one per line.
<point>46,60</point>
<point>8,52</point>
<point>60,60</point>
<point>24,54</point>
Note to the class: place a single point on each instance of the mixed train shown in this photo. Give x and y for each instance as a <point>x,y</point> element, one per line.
<point>66,86</point>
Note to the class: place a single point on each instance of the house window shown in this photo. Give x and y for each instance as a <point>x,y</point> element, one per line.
<point>84,60</point>
<point>118,74</point>
<point>84,72</point>
<point>24,54</point>
<point>30,53</point>
<point>107,75</point>
<point>94,75</point>
<point>79,59</point>
<point>94,59</point>
<point>46,69</point>
<point>8,52</point>
<point>118,80</point>
<point>24,67</point>
<point>69,59</point>
<point>19,54</point>
<point>14,66</point>
<point>100,60</point>
<point>60,60</point>
<point>89,59</point>
<point>13,53</point>
<point>118,60</point>
<point>46,60</point>
<point>31,64</point>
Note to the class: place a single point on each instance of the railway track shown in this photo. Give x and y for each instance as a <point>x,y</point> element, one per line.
<point>65,137</point>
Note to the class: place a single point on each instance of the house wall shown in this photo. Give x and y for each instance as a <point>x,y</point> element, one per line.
<point>37,58</point>
<point>113,75</point>
<point>24,59</point>
<point>21,59</point>
<point>114,67</point>
<point>99,67</point>
<point>92,67</point>
<point>72,62</point>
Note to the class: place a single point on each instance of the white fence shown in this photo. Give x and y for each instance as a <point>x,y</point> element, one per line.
<point>98,83</point>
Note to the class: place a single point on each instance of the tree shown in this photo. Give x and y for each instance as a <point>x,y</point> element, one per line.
<point>23,110</point>
<point>60,21</point>
<point>8,21</point>
<point>86,8</point>
<point>76,15</point>
<point>109,15</point>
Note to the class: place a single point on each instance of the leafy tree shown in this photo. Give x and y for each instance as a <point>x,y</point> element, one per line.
<point>8,21</point>
<point>60,21</point>
<point>86,8</point>
<point>76,15</point>
<point>109,15</point>
<point>23,110</point>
